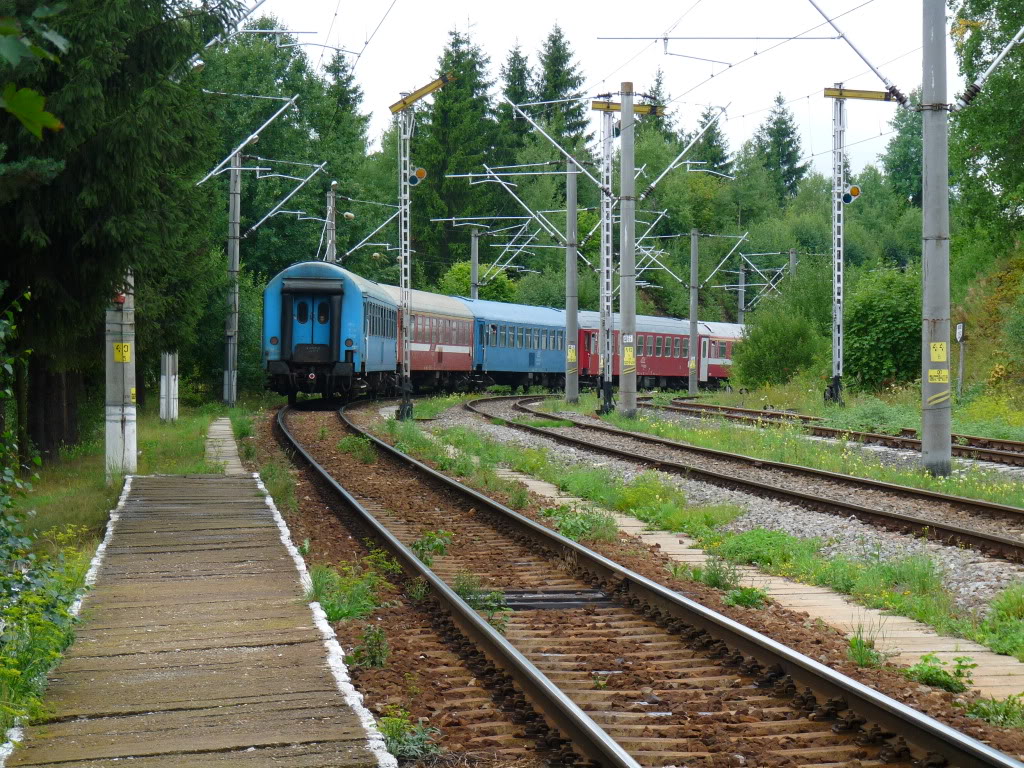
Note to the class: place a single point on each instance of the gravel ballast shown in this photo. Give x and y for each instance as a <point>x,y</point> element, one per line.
<point>971,577</point>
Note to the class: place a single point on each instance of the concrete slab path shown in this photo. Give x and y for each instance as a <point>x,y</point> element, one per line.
<point>221,447</point>
<point>197,648</point>
<point>903,640</point>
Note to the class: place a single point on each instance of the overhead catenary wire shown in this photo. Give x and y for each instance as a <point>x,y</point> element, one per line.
<point>770,48</point>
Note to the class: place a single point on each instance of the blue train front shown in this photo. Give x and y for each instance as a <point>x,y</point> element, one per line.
<point>325,329</point>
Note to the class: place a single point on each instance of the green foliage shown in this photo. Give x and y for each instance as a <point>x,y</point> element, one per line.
<point>713,146</point>
<point>717,573</point>
<point>405,740</point>
<point>372,650</point>
<point>25,38</point>
<point>358,446</point>
<point>930,671</point>
<point>902,156</point>
<point>776,345</point>
<point>861,651</point>
<point>350,593</point>
<point>883,328</point>
<point>418,589</point>
<point>280,485</point>
<point>432,543</point>
<point>748,597</point>
<point>874,415</point>
<point>456,282</point>
<point>558,78</point>
<point>1005,713</point>
<point>582,524</point>
<point>778,143</point>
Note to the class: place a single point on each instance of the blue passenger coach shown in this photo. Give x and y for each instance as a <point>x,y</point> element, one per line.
<point>323,326</point>
<point>517,344</point>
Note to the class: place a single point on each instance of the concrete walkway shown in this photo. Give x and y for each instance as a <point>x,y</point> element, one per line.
<point>221,447</point>
<point>903,640</point>
<point>197,648</point>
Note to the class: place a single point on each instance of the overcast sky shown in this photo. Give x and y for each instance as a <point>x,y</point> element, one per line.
<point>409,35</point>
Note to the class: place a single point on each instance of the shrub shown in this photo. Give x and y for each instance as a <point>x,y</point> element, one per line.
<point>777,343</point>
<point>431,543</point>
<point>748,597</point>
<point>582,525</point>
<point>373,648</point>
<point>883,328</point>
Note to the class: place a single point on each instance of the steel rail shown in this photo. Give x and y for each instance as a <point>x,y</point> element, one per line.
<point>564,715</point>
<point>1002,546</point>
<point>777,664</point>
<point>966,446</point>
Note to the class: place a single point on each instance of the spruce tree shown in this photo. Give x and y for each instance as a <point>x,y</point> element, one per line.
<point>457,136</point>
<point>903,153</point>
<point>657,94</point>
<point>559,78</point>
<point>516,77</point>
<point>779,146</point>
<point>713,146</point>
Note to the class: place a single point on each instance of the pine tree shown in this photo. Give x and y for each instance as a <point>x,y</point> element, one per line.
<point>779,145</point>
<point>516,77</point>
<point>713,146</point>
<point>458,136</point>
<point>558,78</point>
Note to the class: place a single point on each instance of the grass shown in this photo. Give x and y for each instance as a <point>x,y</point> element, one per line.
<point>72,490</point>
<point>432,407</point>
<point>348,593</point>
<point>280,483</point>
<point>861,650</point>
<point>1006,713</point>
<point>358,446</point>
<point>747,597</point>
<point>582,524</point>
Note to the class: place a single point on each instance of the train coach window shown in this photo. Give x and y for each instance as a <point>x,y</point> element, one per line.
<point>519,337</point>
<point>657,346</point>
<point>677,345</point>
<point>302,312</point>
<point>639,345</point>
<point>650,345</point>
<point>544,339</point>
<point>686,347</point>
<point>536,338</point>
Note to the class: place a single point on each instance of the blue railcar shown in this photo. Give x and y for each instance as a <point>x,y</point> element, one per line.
<point>517,344</point>
<point>324,328</point>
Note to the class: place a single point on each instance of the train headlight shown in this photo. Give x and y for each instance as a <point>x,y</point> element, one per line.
<point>348,342</point>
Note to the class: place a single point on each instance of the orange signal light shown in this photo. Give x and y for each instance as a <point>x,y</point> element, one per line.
<point>855,190</point>
<point>420,173</point>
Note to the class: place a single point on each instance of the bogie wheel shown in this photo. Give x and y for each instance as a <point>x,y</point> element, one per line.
<point>292,398</point>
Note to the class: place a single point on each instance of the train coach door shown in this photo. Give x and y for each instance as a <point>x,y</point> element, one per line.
<point>703,359</point>
<point>302,315</point>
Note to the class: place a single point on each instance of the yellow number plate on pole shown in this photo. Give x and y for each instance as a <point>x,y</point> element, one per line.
<point>123,352</point>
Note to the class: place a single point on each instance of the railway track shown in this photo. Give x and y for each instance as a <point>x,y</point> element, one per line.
<point>965,446</point>
<point>954,520</point>
<point>604,664</point>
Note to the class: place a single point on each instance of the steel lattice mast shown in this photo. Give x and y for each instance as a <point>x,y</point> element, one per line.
<point>606,336</point>
<point>834,391</point>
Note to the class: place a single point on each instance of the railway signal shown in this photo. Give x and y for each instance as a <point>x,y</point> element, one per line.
<point>408,177</point>
<point>851,193</point>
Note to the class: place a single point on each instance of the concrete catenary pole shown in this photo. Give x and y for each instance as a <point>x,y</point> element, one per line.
<point>627,258</point>
<point>605,334</point>
<point>792,262</point>
<point>742,303</point>
<point>572,372</point>
<point>332,225</point>
<point>474,263</point>
<point>694,340</point>
<point>935,394</point>
<point>231,326</point>
<point>120,430</point>
<point>169,386</point>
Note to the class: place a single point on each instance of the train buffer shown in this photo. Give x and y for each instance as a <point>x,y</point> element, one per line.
<point>196,648</point>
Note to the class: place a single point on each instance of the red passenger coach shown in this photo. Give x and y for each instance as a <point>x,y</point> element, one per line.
<point>662,350</point>
<point>442,337</point>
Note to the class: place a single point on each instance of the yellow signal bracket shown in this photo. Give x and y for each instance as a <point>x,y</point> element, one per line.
<point>639,109</point>
<point>851,93</point>
<point>421,93</point>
